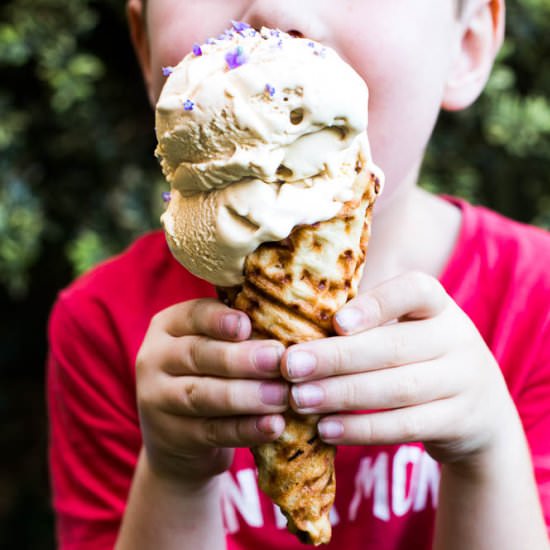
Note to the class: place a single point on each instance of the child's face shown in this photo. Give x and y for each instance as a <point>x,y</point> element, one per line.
<point>405,51</point>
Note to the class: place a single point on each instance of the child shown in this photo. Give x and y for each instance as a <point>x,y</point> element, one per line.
<point>458,384</point>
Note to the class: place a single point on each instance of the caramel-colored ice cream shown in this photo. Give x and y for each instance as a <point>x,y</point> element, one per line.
<point>258,133</point>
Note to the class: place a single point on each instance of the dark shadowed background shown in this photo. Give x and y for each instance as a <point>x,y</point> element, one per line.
<point>78,181</point>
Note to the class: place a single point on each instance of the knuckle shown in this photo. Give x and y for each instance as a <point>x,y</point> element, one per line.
<point>367,430</point>
<point>142,361</point>
<point>194,349</point>
<point>147,364</point>
<point>211,432</point>
<point>228,397</point>
<point>410,427</point>
<point>421,283</point>
<point>342,357</point>
<point>427,288</point>
<point>146,397</point>
<point>191,397</point>
<point>398,346</point>
<point>349,395</point>
<point>242,430</point>
<point>405,390</point>
<point>157,321</point>
<point>226,355</point>
<point>193,311</point>
<point>231,397</point>
<point>376,306</point>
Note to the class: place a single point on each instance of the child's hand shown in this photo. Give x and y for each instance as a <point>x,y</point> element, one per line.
<point>203,388</point>
<point>430,377</point>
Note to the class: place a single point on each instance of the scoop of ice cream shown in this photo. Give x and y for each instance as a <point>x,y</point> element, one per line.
<point>258,132</point>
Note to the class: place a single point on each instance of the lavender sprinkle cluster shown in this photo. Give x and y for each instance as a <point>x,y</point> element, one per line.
<point>269,90</point>
<point>235,58</point>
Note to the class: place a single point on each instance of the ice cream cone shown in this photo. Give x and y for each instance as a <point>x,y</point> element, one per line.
<point>291,291</point>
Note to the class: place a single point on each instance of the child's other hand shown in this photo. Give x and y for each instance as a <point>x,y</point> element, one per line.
<point>203,388</point>
<point>428,377</point>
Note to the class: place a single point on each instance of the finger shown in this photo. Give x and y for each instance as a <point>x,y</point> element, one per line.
<point>427,422</point>
<point>207,316</point>
<point>229,432</point>
<point>241,432</point>
<point>211,397</point>
<point>412,295</point>
<point>203,356</point>
<point>378,348</point>
<point>383,389</point>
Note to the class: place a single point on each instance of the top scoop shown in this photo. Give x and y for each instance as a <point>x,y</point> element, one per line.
<point>258,133</point>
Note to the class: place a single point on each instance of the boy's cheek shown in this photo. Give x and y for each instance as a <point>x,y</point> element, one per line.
<point>406,75</point>
<point>175,25</point>
<point>167,49</point>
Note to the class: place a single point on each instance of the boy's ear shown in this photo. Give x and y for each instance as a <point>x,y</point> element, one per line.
<point>140,40</point>
<point>482,32</point>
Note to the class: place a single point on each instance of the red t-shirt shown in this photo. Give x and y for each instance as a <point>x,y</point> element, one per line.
<point>386,496</point>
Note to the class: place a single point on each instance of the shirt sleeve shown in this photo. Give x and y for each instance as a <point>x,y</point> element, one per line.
<point>94,429</point>
<point>534,409</point>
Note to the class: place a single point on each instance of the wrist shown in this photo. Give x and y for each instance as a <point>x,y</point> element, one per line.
<point>504,448</point>
<point>178,478</point>
<point>162,511</point>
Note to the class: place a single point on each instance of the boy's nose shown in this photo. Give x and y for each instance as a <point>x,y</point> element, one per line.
<point>300,19</point>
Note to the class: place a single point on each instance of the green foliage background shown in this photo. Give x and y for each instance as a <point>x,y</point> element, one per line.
<point>78,182</point>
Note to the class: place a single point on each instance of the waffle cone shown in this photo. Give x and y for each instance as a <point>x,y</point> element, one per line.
<point>291,291</point>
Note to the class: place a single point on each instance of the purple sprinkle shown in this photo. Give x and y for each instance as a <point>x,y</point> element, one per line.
<point>240,26</point>
<point>236,58</point>
<point>166,196</point>
<point>270,90</point>
<point>197,50</point>
<point>275,32</point>
<point>167,71</point>
<point>280,44</point>
<point>311,44</point>
<point>211,41</point>
<point>188,105</point>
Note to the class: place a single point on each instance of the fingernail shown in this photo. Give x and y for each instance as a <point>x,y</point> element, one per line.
<point>330,429</point>
<point>300,364</point>
<point>270,424</point>
<point>267,358</point>
<point>231,325</point>
<point>273,394</point>
<point>349,319</point>
<point>307,395</point>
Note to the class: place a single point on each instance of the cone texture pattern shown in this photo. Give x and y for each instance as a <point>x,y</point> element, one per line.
<point>291,291</point>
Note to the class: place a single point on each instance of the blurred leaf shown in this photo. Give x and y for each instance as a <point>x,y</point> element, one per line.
<point>87,250</point>
<point>21,224</point>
